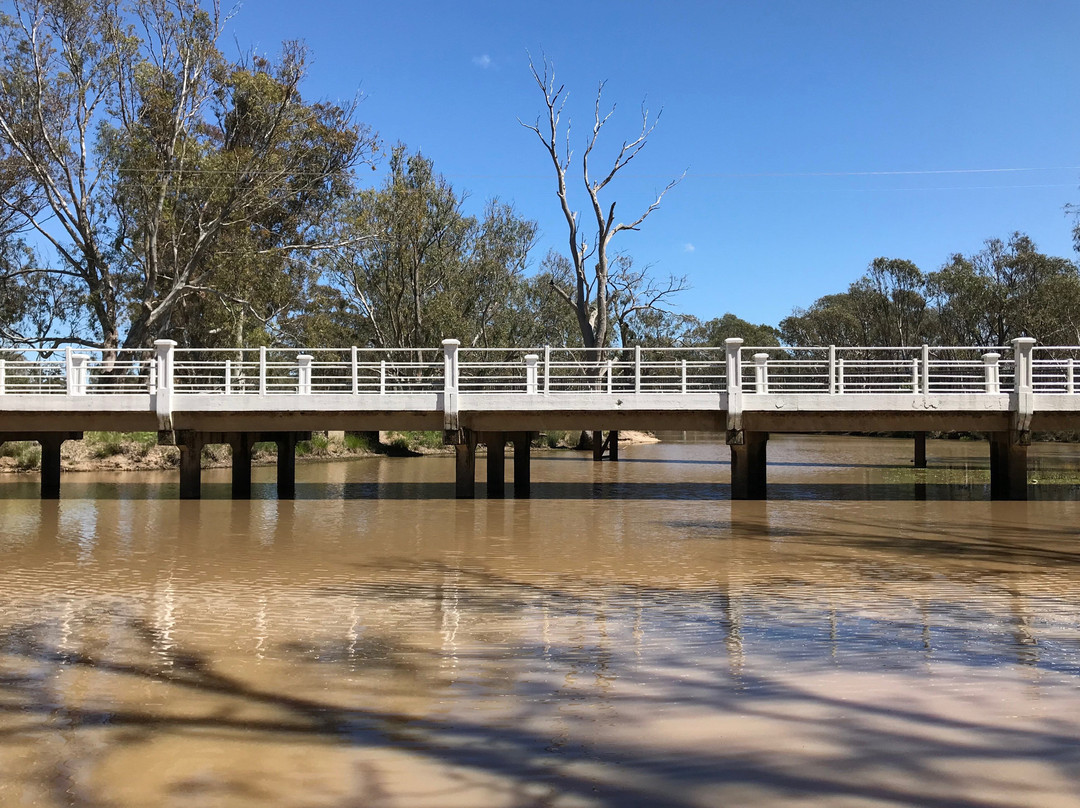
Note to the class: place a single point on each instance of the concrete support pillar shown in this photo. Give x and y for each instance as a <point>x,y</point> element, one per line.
<point>496,464</point>
<point>748,466</point>
<point>286,465</point>
<point>465,466</point>
<point>920,450</point>
<point>608,445</point>
<point>50,465</point>
<point>241,465</point>
<point>191,446</point>
<point>1008,467</point>
<point>522,471</point>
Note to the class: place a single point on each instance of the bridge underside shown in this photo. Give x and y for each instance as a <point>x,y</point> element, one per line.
<point>495,421</point>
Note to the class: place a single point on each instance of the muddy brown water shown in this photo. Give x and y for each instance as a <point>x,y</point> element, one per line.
<point>871,635</point>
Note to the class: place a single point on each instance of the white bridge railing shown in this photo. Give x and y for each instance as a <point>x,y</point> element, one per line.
<point>789,370</point>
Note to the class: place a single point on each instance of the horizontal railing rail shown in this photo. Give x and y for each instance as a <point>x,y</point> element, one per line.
<point>734,367</point>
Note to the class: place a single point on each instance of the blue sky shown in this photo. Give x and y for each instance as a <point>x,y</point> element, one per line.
<point>816,136</point>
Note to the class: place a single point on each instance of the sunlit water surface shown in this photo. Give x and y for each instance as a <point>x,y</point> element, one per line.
<point>871,635</point>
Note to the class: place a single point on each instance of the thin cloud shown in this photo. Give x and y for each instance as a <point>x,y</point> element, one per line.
<point>482,61</point>
<point>688,247</point>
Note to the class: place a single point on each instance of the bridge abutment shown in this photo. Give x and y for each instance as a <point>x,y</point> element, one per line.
<point>748,464</point>
<point>1008,467</point>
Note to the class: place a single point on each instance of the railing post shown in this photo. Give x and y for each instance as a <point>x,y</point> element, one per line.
<point>382,377</point>
<point>165,355</point>
<point>1022,347</point>
<point>733,369</point>
<point>761,373</point>
<point>1070,386</point>
<point>610,375</point>
<point>303,374</point>
<point>356,373</point>
<point>450,384</point>
<point>925,364</point>
<point>637,368</point>
<point>547,369</point>
<point>733,357</point>
<point>683,373</point>
<point>228,377</point>
<point>1023,398</point>
<point>67,368</point>
<point>915,376</point>
<point>76,380</point>
<point>3,377</point>
<point>832,370</point>
<point>151,382</point>
<point>992,372</point>
<point>262,370</point>
<point>840,376</point>
<point>531,361</point>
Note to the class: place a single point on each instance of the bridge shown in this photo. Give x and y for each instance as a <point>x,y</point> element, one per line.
<point>493,396</point>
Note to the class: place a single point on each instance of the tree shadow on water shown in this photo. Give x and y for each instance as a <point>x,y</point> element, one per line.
<point>868,752</point>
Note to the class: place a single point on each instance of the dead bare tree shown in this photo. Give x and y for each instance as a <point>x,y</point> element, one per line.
<point>590,290</point>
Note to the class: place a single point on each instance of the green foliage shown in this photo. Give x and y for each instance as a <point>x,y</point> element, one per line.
<point>26,453</point>
<point>358,443</point>
<point>210,181</point>
<point>1004,291</point>
<point>424,270</point>
<point>111,444</point>
<point>415,439</point>
<point>712,333</point>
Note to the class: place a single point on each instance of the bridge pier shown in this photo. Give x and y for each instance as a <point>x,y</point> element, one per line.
<point>522,470</point>
<point>191,446</point>
<point>748,464</point>
<point>1008,467</point>
<point>610,445</point>
<point>465,465</point>
<point>920,450</point>
<point>286,464</point>
<point>241,465</point>
<point>50,443</point>
<point>496,464</point>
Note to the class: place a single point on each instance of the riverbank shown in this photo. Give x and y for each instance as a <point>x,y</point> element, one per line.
<point>139,451</point>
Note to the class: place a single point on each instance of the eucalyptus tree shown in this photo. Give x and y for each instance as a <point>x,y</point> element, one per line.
<point>161,175</point>
<point>1006,290</point>
<point>418,269</point>
<point>587,286</point>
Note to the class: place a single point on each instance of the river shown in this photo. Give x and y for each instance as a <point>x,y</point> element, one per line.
<point>871,635</point>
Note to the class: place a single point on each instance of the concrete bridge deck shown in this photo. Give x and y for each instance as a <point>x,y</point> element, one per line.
<point>493,396</point>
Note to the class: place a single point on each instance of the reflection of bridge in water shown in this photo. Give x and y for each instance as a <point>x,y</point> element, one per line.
<point>495,396</point>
